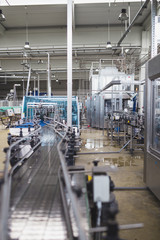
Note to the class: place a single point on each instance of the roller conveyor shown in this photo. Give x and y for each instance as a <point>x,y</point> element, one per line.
<point>36,209</point>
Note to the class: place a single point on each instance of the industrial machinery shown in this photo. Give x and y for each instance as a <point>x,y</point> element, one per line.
<point>114,107</point>
<point>10,108</point>
<point>54,107</point>
<point>23,149</point>
<point>48,197</point>
<point>152,126</point>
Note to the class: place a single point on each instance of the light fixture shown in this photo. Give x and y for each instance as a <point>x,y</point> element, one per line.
<point>26,46</point>
<point>40,61</point>
<point>109,46</point>
<point>57,80</point>
<point>126,50</point>
<point>0,68</point>
<point>2,17</point>
<point>123,15</point>
<point>97,70</point>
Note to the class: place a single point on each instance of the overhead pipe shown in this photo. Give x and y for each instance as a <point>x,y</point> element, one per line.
<point>29,77</point>
<point>144,5</point>
<point>52,50</point>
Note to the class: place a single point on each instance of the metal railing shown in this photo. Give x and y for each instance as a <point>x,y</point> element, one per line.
<point>5,187</point>
<point>82,234</point>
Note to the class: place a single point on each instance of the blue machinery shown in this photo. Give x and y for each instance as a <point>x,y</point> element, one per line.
<point>50,106</point>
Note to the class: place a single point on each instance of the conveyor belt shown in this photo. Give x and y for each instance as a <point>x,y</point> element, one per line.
<point>36,209</point>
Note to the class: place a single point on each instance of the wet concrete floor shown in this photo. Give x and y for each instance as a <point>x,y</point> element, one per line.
<point>136,206</point>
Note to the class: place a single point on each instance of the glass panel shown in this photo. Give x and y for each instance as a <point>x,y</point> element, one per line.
<point>156,116</point>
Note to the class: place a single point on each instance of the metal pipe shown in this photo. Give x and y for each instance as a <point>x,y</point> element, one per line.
<point>69,63</point>
<point>144,5</point>
<point>129,13</point>
<point>28,81</point>
<point>65,206</point>
<point>79,221</point>
<point>52,49</point>
<point>49,77</point>
<point>13,77</point>
<point>38,85</point>
<point>121,227</point>
<point>34,87</point>
<point>153,37</point>
<point>130,188</point>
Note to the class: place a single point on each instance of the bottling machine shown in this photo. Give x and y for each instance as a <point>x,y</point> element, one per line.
<point>152,126</point>
<point>49,106</point>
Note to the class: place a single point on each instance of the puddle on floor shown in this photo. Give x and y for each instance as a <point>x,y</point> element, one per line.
<point>121,161</point>
<point>95,143</point>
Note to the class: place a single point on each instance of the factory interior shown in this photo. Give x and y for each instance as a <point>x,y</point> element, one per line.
<point>79,120</point>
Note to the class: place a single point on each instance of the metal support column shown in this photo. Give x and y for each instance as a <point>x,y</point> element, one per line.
<point>34,94</point>
<point>29,77</point>
<point>69,63</point>
<point>49,77</point>
<point>153,41</point>
<point>38,85</point>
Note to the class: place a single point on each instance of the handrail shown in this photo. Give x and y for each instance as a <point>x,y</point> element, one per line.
<point>77,215</point>
<point>6,188</point>
<point>76,212</point>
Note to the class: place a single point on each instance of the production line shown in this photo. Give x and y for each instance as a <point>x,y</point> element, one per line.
<point>45,187</point>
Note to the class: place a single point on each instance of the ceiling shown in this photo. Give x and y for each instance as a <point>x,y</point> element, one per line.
<point>56,15</point>
<point>53,16</point>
